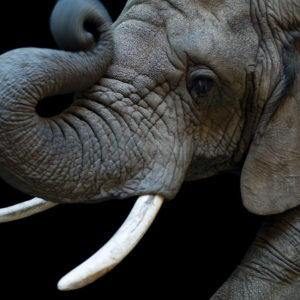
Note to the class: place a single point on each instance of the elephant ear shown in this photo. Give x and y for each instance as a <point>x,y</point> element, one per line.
<point>270,181</point>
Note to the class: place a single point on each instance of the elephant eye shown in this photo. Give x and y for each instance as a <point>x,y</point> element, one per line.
<point>201,82</point>
<point>202,86</point>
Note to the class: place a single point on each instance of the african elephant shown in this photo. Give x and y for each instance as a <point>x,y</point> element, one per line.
<point>172,91</point>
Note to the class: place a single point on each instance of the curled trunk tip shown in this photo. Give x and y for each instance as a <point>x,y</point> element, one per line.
<point>78,25</point>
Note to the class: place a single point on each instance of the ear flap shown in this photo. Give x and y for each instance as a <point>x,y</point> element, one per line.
<point>285,13</point>
<point>270,181</point>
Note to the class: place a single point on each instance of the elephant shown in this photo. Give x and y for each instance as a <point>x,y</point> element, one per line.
<point>172,91</point>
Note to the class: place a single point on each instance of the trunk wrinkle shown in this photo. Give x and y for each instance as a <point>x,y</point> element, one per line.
<point>45,156</point>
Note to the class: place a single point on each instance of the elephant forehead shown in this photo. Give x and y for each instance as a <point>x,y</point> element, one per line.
<point>188,8</point>
<point>216,33</point>
<point>141,44</point>
<point>226,39</point>
<point>210,44</point>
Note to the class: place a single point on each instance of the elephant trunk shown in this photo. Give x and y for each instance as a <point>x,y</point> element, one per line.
<point>44,156</point>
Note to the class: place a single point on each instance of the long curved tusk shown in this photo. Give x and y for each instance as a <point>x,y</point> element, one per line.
<point>123,241</point>
<point>24,209</point>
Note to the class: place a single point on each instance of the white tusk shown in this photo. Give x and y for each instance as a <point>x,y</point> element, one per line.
<point>24,209</point>
<point>123,241</point>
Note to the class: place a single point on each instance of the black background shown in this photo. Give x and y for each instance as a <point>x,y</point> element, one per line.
<point>192,247</point>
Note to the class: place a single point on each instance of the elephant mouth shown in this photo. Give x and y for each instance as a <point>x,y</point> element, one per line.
<point>112,253</point>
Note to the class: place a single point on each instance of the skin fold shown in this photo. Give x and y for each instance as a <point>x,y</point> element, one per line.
<point>171,91</point>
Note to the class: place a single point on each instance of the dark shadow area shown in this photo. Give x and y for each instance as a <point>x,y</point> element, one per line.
<point>53,106</point>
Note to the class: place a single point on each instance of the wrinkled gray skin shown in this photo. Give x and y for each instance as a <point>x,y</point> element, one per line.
<point>144,122</point>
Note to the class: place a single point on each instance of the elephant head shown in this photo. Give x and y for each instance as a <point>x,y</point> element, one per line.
<point>173,90</point>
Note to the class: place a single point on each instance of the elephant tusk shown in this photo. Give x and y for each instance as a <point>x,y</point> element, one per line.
<point>123,241</point>
<point>24,209</point>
